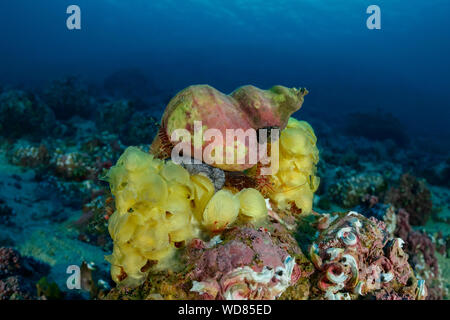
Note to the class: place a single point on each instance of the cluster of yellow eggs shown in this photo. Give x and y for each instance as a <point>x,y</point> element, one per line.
<point>160,207</point>
<point>295,181</point>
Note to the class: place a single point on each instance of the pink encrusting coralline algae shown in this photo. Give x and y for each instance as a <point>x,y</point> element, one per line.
<point>250,266</point>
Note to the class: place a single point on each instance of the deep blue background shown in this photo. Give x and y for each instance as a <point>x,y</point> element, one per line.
<point>323,45</point>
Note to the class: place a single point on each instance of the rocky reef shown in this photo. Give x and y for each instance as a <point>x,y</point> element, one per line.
<point>239,243</point>
<point>94,176</point>
<point>412,195</point>
<point>24,114</point>
<point>356,257</point>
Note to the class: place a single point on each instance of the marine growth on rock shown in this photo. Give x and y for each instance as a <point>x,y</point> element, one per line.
<point>200,230</point>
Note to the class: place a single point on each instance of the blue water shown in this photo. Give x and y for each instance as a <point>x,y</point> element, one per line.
<point>323,45</point>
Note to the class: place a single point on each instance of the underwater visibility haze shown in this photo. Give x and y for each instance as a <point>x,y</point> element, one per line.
<point>94,205</point>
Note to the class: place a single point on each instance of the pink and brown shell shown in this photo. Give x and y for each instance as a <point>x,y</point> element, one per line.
<point>245,108</point>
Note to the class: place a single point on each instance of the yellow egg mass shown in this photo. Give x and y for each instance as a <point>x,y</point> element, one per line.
<point>296,180</point>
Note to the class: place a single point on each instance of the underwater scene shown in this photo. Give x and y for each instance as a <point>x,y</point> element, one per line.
<point>224,150</point>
